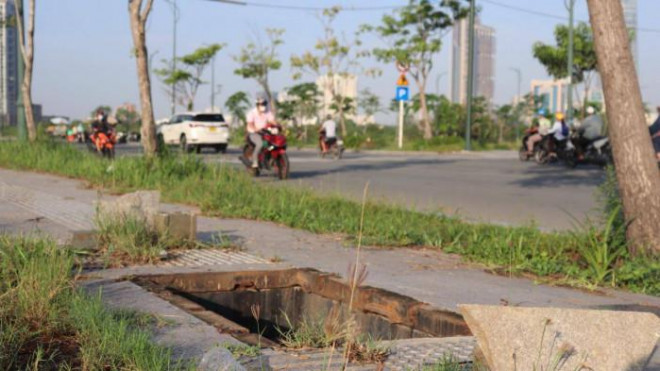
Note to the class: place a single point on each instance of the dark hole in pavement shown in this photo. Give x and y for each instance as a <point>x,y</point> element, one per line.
<point>227,300</point>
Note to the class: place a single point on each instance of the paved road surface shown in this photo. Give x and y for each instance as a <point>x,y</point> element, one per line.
<point>490,187</point>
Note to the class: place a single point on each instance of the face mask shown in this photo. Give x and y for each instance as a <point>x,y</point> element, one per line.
<point>261,108</point>
<point>99,117</point>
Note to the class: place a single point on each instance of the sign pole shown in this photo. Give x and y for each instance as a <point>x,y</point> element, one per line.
<point>400,124</point>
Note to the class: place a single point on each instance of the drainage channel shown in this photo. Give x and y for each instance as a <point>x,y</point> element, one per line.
<point>260,307</point>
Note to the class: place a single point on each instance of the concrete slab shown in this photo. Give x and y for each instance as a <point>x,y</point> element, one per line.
<point>562,339</point>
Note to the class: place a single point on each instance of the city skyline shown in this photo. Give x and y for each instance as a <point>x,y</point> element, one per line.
<point>76,71</point>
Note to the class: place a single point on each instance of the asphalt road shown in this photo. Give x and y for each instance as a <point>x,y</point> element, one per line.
<point>487,186</point>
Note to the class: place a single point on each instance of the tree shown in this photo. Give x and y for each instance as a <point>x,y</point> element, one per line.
<point>187,80</point>
<point>414,35</point>
<point>333,58</point>
<point>139,13</point>
<point>553,58</point>
<point>27,54</point>
<point>343,106</point>
<point>238,104</point>
<point>306,98</point>
<point>446,115</point>
<point>369,103</point>
<point>257,61</point>
<point>636,168</point>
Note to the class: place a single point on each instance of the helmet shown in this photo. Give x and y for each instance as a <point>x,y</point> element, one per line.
<point>541,112</point>
<point>590,110</point>
<point>559,116</point>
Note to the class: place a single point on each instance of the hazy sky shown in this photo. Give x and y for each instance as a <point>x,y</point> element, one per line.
<point>83,47</point>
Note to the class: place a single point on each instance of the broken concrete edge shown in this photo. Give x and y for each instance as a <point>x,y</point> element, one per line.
<point>219,359</point>
<point>212,356</point>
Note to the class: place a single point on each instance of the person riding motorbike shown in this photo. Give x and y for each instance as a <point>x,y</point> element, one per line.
<point>590,130</point>
<point>257,120</point>
<point>100,125</point>
<point>542,130</point>
<point>328,131</point>
<point>558,134</point>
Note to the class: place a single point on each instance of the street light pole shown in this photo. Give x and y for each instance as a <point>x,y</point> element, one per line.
<point>470,77</point>
<point>175,21</point>
<point>570,5</point>
<point>517,71</point>
<point>20,106</point>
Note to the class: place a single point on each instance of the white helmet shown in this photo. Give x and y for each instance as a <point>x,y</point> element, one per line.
<point>590,110</point>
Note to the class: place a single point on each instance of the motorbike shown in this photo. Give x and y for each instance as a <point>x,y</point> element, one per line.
<point>562,151</point>
<point>598,151</point>
<point>273,154</point>
<point>103,143</point>
<point>523,155</point>
<point>335,148</point>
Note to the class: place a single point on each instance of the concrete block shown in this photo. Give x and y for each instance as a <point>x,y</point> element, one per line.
<point>183,226</point>
<point>83,240</point>
<point>512,338</point>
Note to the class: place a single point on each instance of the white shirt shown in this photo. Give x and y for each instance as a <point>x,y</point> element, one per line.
<point>330,128</point>
<point>260,119</point>
<point>556,131</point>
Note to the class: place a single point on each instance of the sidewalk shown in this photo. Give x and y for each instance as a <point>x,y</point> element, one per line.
<point>431,276</point>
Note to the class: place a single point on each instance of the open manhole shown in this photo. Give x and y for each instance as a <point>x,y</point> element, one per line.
<point>282,299</point>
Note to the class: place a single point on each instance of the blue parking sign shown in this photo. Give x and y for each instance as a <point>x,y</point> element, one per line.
<point>402,93</point>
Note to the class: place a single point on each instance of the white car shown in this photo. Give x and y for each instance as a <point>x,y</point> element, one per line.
<point>193,131</point>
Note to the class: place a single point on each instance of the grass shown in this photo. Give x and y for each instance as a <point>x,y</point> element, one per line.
<point>130,240</point>
<point>242,350</point>
<point>226,192</point>
<point>47,324</point>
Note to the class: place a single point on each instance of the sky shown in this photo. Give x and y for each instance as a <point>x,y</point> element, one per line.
<point>83,47</point>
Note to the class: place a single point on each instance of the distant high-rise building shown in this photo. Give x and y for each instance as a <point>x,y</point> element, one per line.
<point>343,85</point>
<point>630,15</point>
<point>8,63</point>
<point>484,61</point>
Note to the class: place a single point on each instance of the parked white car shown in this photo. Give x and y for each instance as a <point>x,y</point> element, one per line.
<point>193,131</point>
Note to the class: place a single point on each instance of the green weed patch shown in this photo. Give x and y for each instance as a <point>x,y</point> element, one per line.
<point>227,192</point>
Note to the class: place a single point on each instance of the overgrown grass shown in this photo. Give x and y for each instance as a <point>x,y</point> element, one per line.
<point>47,324</point>
<point>224,191</point>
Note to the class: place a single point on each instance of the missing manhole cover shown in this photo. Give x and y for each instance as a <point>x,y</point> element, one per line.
<point>258,307</point>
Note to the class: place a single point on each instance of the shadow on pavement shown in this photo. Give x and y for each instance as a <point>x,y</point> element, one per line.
<point>379,166</point>
<point>558,175</point>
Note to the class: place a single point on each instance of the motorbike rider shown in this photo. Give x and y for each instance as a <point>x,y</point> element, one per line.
<point>559,133</point>
<point>542,130</point>
<point>100,125</point>
<point>590,130</point>
<point>328,131</point>
<point>257,120</point>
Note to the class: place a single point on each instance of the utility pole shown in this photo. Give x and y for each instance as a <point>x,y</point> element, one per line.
<point>20,108</point>
<point>570,5</point>
<point>175,21</point>
<point>213,83</point>
<point>517,71</point>
<point>470,77</point>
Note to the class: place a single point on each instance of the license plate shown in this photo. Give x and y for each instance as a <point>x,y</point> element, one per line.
<point>212,129</point>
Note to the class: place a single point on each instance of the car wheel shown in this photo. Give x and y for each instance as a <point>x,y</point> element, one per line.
<point>183,144</point>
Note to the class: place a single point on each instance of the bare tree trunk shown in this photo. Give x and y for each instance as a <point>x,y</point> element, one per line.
<point>269,96</point>
<point>636,168</point>
<point>27,52</point>
<point>426,120</point>
<point>138,17</point>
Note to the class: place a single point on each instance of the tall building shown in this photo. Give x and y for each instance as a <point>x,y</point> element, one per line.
<point>343,85</point>
<point>8,64</point>
<point>553,94</point>
<point>484,61</point>
<point>630,15</point>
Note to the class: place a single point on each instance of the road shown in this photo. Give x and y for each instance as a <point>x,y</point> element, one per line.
<point>481,187</point>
